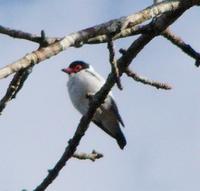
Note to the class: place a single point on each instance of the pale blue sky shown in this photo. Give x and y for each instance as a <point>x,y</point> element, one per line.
<point>162,127</point>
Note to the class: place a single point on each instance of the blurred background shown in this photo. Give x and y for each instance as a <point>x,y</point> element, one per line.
<point>162,127</point>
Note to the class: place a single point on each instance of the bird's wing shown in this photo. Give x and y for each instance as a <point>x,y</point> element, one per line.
<point>116,111</point>
<point>113,104</point>
<point>113,130</point>
<point>99,124</point>
<point>96,76</point>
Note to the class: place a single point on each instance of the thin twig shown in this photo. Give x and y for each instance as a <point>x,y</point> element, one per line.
<point>20,77</point>
<point>146,81</point>
<point>26,36</point>
<point>142,79</point>
<point>113,62</point>
<point>14,87</point>
<point>94,155</point>
<point>182,45</point>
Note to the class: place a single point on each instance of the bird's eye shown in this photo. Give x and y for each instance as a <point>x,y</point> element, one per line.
<point>77,68</point>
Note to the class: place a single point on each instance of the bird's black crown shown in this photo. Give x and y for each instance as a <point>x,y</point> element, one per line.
<point>79,62</point>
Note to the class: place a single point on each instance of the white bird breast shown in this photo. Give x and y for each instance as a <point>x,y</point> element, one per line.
<point>81,84</point>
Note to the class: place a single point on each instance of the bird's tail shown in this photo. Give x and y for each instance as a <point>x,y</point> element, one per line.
<point>113,129</point>
<point>121,140</point>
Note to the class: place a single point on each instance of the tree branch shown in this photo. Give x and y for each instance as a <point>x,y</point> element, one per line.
<point>94,155</point>
<point>146,81</point>
<point>80,37</point>
<point>113,62</point>
<point>182,45</point>
<point>135,30</point>
<point>27,36</point>
<point>22,75</point>
<point>45,41</point>
<point>142,79</point>
<point>124,61</point>
<point>14,87</point>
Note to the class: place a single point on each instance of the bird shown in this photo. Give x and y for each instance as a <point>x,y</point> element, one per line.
<point>83,81</point>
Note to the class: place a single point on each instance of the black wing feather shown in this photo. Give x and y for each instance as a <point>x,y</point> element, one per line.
<point>121,140</point>
<point>115,109</point>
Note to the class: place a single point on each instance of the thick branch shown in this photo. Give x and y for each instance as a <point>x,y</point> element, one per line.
<point>135,30</point>
<point>159,25</point>
<point>112,27</point>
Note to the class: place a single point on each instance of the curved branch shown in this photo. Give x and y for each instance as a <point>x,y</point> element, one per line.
<point>157,27</point>
<point>80,37</point>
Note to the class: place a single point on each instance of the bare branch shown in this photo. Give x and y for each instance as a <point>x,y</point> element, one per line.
<point>21,76</point>
<point>14,87</point>
<point>82,36</point>
<point>113,62</point>
<point>182,45</point>
<point>27,36</point>
<point>92,156</point>
<point>135,30</point>
<point>43,40</point>
<point>50,40</point>
<point>146,81</point>
<point>160,24</point>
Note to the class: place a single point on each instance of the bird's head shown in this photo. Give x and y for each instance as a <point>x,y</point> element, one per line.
<point>76,67</point>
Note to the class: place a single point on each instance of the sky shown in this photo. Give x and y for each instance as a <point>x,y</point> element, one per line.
<point>162,127</point>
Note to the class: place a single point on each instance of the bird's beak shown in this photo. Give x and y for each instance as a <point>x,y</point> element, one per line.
<point>67,70</point>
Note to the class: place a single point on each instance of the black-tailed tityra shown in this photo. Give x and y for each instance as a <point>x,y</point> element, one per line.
<point>84,81</point>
